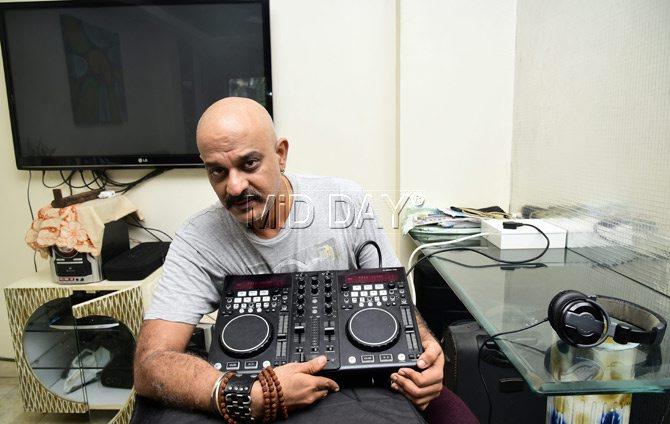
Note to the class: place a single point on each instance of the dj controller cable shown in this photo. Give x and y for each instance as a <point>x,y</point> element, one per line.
<point>508,225</point>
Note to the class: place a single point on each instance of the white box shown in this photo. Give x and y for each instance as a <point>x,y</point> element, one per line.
<point>523,237</point>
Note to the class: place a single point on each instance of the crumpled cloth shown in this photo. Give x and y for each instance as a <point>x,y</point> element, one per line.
<point>78,227</point>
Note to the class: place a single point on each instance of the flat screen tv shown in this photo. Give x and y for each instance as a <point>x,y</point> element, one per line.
<point>114,84</point>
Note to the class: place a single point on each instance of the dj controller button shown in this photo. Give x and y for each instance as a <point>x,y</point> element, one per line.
<point>236,306</point>
<point>385,357</point>
<point>266,364</point>
<point>351,360</point>
<point>266,305</point>
<point>246,299</point>
<point>367,359</point>
<point>264,292</point>
<point>383,292</point>
<point>367,287</point>
<point>230,366</point>
<point>385,298</point>
<point>401,357</point>
<point>256,299</point>
<point>253,293</point>
<point>379,286</point>
<point>238,300</point>
<point>241,293</point>
<point>374,293</point>
<point>217,365</point>
<point>250,365</point>
<point>266,298</point>
<point>354,294</point>
<point>357,288</point>
<point>364,293</point>
<point>229,300</point>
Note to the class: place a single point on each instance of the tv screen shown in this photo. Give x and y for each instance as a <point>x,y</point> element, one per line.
<point>119,84</point>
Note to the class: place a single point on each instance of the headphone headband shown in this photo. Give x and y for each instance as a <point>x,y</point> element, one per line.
<point>653,325</point>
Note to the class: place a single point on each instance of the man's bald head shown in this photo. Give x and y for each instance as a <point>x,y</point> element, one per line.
<point>234,118</point>
<point>243,157</point>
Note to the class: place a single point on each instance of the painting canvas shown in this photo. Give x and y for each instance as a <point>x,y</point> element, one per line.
<point>93,57</point>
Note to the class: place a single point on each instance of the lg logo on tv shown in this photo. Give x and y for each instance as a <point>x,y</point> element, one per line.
<point>142,160</point>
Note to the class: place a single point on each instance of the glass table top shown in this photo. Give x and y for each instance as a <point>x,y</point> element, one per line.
<point>508,297</point>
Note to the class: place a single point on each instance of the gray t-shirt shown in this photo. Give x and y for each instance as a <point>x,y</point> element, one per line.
<point>329,220</point>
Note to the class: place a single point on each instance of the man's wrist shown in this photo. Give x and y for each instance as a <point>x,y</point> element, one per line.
<point>257,400</point>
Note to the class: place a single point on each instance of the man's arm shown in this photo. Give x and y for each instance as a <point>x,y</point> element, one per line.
<point>164,371</point>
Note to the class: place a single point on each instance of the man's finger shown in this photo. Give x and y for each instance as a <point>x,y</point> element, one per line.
<point>432,351</point>
<point>313,366</point>
<point>410,388</point>
<point>422,379</point>
<point>323,383</point>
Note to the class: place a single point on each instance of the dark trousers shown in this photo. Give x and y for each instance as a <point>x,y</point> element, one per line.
<point>354,405</point>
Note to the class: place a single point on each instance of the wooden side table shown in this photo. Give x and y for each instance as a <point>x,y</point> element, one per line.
<point>45,344</point>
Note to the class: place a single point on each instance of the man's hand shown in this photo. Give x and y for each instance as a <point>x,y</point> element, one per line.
<point>422,387</point>
<point>300,387</point>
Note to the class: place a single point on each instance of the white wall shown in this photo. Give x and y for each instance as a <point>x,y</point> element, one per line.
<point>340,100</point>
<point>334,89</point>
<point>456,87</point>
<point>591,127</point>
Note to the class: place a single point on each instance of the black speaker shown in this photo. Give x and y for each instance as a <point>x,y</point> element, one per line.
<point>512,400</point>
<point>438,304</point>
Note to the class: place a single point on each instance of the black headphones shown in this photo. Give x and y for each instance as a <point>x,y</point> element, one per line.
<point>584,321</point>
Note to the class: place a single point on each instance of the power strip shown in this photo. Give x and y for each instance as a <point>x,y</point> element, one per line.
<point>524,237</point>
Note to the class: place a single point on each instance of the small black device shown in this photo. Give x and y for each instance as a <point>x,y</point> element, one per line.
<point>361,320</point>
<point>138,262</point>
<point>69,266</point>
<point>584,321</point>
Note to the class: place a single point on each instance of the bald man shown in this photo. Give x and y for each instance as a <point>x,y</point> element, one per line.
<point>258,227</point>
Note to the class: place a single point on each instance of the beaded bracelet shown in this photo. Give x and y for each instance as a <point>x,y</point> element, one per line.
<point>280,393</point>
<point>272,401</point>
<point>267,413</point>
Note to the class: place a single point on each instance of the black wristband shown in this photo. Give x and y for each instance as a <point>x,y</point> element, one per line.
<point>238,397</point>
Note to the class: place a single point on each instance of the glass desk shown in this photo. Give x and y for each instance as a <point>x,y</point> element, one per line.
<point>509,297</point>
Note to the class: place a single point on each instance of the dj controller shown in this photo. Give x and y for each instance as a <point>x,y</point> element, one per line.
<point>362,321</point>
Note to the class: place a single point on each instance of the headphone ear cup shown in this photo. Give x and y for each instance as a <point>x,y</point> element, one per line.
<point>556,307</point>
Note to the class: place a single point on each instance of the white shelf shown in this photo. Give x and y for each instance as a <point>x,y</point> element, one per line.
<point>99,396</point>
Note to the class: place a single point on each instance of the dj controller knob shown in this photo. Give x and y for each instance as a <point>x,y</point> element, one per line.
<point>301,298</point>
<point>246,335</point>
<point>328,287</point>
<point>315,280</point>
<point>315,289</point>
<point>300,309</point>
<point>329,297</point>
<point>328,307</point>
<point>301,289</point>
<point>373,329</point>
